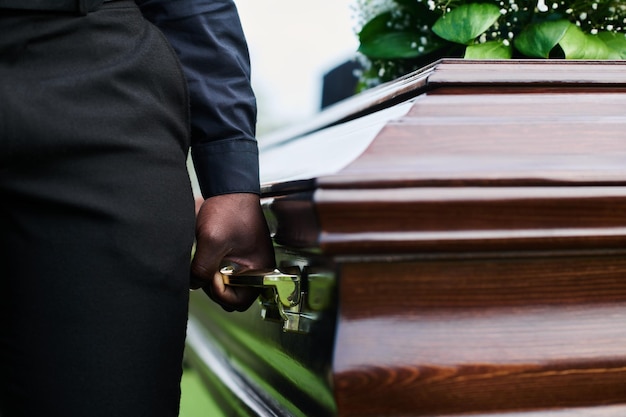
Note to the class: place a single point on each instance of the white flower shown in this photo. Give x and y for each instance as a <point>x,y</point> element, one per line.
<point>541,6</point>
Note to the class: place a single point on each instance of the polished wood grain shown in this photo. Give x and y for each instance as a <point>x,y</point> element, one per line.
<point>450,336</point>
<point>538,72</point>
<point>481,244</point>
<point>496,139</point>
<point>480,284</point>
<point>607,411</point>
<point>470,219</point>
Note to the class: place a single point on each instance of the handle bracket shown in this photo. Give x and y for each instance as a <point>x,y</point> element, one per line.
<point>287,286</point>
<point>285,300</point>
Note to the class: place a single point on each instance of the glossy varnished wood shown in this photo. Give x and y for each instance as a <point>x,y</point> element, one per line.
<point>482,235</point>
<point>607,411</point>
<point>496,139</point>
<point>515,332</point>
<point>536,72</point>
<point>470,219</point>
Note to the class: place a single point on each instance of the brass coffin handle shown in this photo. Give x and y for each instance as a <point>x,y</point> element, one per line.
<point>287,286</point>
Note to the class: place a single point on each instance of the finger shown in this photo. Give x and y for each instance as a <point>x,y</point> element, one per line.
<point>208,289</point>
<point>238,298</point>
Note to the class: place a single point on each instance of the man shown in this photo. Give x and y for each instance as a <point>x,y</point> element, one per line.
<point>98,109</point>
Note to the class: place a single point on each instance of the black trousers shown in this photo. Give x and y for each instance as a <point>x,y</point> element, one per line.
<point>96,215</point>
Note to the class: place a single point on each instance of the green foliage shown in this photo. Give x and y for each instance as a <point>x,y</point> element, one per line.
<point>538,39</point>
<point>488,50</point>
<point>466,22</point>
<point>578,45</point>
<point>379,40</point>
<point>398,36</point>
<point>616,43</point>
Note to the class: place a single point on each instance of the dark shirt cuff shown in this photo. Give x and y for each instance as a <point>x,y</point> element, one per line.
<point>226,167</point>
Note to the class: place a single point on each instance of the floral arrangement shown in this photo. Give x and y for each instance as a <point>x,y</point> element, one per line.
<point>399,36</point>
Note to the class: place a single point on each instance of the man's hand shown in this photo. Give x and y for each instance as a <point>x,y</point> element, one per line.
<point>230,229</point>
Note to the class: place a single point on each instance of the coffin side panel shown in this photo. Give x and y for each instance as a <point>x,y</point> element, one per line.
<point>454,336</point>
<point>470,219</point>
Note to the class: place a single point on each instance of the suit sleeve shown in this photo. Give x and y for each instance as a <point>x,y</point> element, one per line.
<point>210,43</point>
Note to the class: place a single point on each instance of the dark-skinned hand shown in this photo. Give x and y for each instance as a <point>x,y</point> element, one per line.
<point>230,230</point>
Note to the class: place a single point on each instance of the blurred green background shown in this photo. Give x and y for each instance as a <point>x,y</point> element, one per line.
<point>195,400</point>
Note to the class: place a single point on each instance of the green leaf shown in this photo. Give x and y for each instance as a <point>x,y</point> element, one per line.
<point>616,42</point>
<point>398,45</point>
<point>538,39</point>
<point>488,50</point>
<point>375,27</point>
<point>578,45</point>
<point>378,39</point>
<point>465,23</point>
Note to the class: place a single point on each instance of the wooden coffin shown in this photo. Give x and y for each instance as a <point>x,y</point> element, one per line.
<point>458,242</point>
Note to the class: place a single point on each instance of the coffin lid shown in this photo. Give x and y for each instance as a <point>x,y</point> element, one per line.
<point>461,122</point>
<point>460,156</point>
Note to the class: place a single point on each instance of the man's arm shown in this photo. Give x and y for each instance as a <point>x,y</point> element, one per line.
<point>208,38</point>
